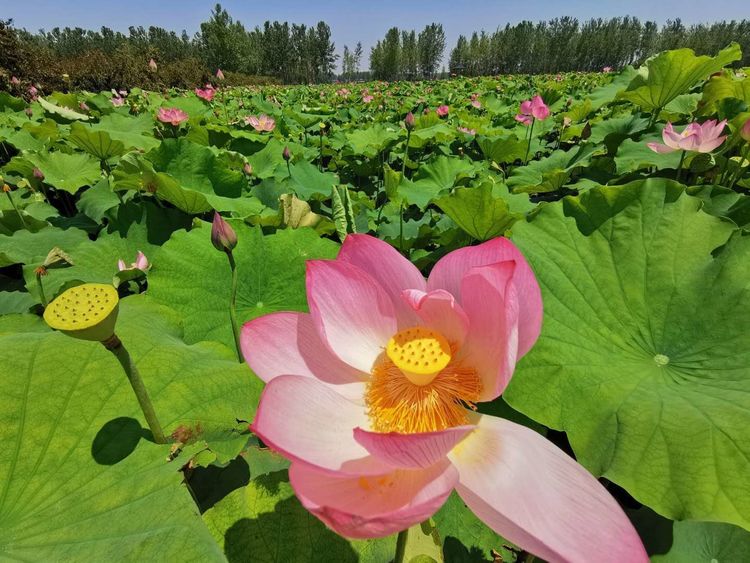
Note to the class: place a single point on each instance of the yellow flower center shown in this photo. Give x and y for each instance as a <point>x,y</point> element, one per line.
<point>418,386</point>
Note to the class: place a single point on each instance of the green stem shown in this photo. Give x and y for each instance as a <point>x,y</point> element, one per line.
<point>232,306</point>
<point>115,346</point>
<point>289,168</point>
<point>41,289</point>
<point>321,151</point>
<point>406,152</point>
<point>531,136</point>
<point>744,154</point>
<point>401,546</point>
<point>679,166</point>
<point>401,228</point>
<point>13,203</point>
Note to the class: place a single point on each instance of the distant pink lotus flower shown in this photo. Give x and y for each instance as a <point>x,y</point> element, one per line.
<point>367,395</point>
<point>37,173</point>
<point>83,106</point>
<point>174,116</point>
<point>117,101</point>
<point>261,122</point>
<point>476,103</point>
<point>14,80</point>
<point>152,65</point>
<point>607,69</point>
<point>33,92</point>
<point>141,263</point>
<point>219,74</point>
<point>368,98</point>
<point>534,108</point>
<point>442,111</point>
<point>695,137</point>
<point>467,130</point>
<point>343,92</point>
<point>206,93</point>
<point>247,169</point>
<point>745,131</point>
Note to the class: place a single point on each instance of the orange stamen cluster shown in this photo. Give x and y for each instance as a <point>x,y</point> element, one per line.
<point>405,395</point>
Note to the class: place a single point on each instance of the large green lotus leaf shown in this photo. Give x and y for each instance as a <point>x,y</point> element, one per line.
<point>373,140</point>
<point>551,173</point>
<point>198,168</point>
<point>97,200</point>
<point>265,523</point>
<point>719,88</point>
<point>602,95</point>
<point>134,131</point>
<point>24,247</point>
<point>69,172</point>
<point>307,182</point>
<point>480,211</point>
<point>635,155</point>
<point>15,302</point>
<point>644,352</point>
<point>440,175</point>
<point>701,542</point>
<point>508,148</point>
<point>192,277</point>
<point>612,131</point>
<point>96,143</point>
<point>671,73</point>
<point>80,480</point>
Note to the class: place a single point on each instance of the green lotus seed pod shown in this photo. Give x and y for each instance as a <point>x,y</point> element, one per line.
<point>87,311</point>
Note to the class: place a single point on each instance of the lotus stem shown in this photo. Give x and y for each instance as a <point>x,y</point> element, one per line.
<point>403,535</point>
<point>115,345</point>
<point>13,203</point>
<point>406,153</point>
<point>531,136</point>
<point>233,308</point>
<point>39,273</point>
<point>679,166</point>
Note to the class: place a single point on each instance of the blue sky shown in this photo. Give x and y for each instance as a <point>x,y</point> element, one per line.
<point>355,20</point>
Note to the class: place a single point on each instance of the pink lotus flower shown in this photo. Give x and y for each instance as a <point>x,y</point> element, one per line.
<point>695,137</point>
<point>15,81</point>
<point>117,101</point>
<point>476,103</point>
<point>534,108</point>
<point>206,93</point>
<point>83,106</point>
<point>219,74</point>
<point>152,65</point>
<point>141,263</point>
<point>371,396</point>
<point>33,92</point>
<point>607,69</point>
<point>442,111</point>
<point>174,116</point>
<point>467,130</point>
<point>261,122</point>
<point>368,98</point>
<point>745,131</point>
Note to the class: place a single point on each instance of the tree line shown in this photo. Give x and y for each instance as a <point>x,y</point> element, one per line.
<point>565,44</point>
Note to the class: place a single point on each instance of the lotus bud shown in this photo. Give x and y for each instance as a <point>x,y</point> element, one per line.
<point>87,311</point>
<point>223,236</point>
<point>248,169</point>
<point>38,174</point>
<point>745,131</point>
<point>152,65</point>
<point>286,154</point>
<point>15,81</point>
<point>409,121</point>
<point>219,74</point>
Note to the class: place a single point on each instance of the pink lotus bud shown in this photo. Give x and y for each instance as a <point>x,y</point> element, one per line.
<point>141,262</point>
<point>286,154</point>
<point>38,174</point>
<point>443,110</point>
<point>223,236</point>
<point>745,131</point>
<point>409,121</point>
<point>219,74</point>
<point>152,65</point>
<point>14,81</point>
<point>83,106</point>
<point>248,169</point>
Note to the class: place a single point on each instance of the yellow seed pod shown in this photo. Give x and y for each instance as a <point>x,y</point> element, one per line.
<point>87,311</point>
<point>420,353</point>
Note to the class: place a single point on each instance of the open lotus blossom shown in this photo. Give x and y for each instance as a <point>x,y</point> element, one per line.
<point>33,92</point>
<point>535,108</point>
<point>607,69</point>
<point>695,137</point>
<point>442,111</point>
<point>261,122</point>
<point>206,93</point>
<point>117,101</point>
<point>141,263</point>
<point>174,116</point>
<point>467,130</point>
<point>476,103</point>
<point>372,397</point>
<point>368,98</point>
